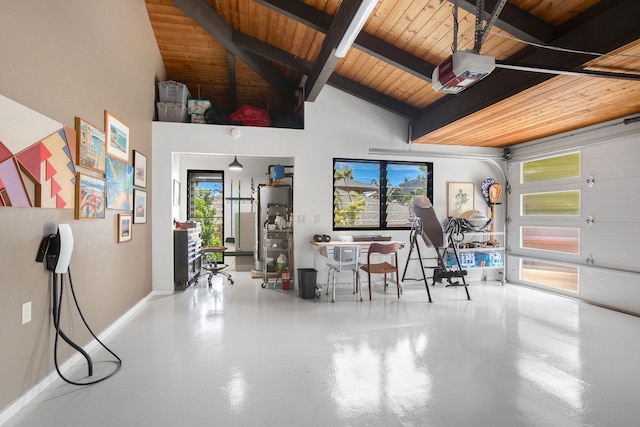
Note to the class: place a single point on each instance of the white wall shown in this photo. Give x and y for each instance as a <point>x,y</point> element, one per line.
<point>336,125</point>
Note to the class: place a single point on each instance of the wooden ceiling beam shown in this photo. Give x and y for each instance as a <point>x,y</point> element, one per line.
<point>515,21</point>
<point>378,48</point>
<point>303,66</point>
<point>233,94</point>
<point>616,25</point>
<point>326,60</point>
<point>207,17</point>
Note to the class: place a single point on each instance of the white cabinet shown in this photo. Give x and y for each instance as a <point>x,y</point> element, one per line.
<point>479,251</point>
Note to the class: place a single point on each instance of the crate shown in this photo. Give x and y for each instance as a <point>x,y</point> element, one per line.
<point>198,106</point>
<point>171,91</point>
<point>171,112</point>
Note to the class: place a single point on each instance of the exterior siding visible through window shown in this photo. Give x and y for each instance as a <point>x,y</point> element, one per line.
<point>369,194</point>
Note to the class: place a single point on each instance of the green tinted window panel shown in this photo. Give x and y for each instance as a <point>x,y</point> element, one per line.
<point>554,239</point>
<point>557,203</point>
<point>565,166</point>
<point>549,274</point>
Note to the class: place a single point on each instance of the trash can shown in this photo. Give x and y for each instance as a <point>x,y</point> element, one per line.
<point>307,282</point>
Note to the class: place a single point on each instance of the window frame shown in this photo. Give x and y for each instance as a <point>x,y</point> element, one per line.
<point>382,191</point>
<point>194,176</point>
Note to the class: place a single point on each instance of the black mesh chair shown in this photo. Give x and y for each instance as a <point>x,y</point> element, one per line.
<point>211,265</point>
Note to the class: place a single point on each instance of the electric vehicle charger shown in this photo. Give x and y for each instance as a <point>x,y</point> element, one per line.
<point>57,249</point>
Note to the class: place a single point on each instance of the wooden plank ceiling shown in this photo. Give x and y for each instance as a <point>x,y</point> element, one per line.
<point>262,52</point>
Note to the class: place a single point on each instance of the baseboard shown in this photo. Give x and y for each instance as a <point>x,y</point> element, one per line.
<point>24,399</point>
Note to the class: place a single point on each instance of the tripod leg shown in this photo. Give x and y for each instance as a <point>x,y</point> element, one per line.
<point>424,276</point>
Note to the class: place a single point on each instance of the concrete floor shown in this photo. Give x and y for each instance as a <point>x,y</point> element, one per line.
<point>241,355</point>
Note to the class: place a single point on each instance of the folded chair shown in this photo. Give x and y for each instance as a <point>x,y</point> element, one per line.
<point>342,258</point>
<point>434,236</point>
<point>383,267</point>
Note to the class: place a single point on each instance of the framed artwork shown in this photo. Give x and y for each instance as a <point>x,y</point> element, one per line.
<point>90,146</point>
<point>90,197</point>
<point>459,198</point>
<point>124,227</point>
<point>117,137</point>
<point>139,169</point>
<point>140,206</point>
<point>119,185</point>
<point>176,192</point>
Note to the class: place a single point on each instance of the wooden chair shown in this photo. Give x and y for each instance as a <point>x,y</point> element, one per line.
<point>384,267</point>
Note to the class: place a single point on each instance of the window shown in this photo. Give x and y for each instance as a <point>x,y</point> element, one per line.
<point>557,167</point>
<point>549,221</point>
<point>549,274</point>
<point>205,204</point>
<point>551,203</point>
<point>371,194</point>
<point>554,239</point>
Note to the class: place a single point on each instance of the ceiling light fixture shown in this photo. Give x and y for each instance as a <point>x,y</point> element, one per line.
<point>355,26</point>
<point>235,165</point>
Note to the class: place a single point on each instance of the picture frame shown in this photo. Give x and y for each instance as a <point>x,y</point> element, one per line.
<point>119,176</point>
<point>139,169</point>
<point>90,197</point>
<point>176,192</point>
<point>139,206</point>
<point>125,222</point>
<point>459,198</point>
<point>90,146</point>
<point>116,137</point>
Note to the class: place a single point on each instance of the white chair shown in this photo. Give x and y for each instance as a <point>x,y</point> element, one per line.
<point>342,258</point>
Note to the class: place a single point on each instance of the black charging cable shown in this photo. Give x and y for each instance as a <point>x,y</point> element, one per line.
<point>57,306</point>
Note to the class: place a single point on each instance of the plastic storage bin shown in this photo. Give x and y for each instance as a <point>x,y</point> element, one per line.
<point>307,282</point>
<point>171,91</point>
<point>171,112</point>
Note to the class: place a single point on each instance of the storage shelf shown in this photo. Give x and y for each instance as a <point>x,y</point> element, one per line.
<point>482,258</point>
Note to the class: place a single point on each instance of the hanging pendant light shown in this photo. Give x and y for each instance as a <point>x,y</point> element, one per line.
<point>235,165</point>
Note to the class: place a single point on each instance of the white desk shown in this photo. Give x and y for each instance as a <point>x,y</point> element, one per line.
<point>363,244</point>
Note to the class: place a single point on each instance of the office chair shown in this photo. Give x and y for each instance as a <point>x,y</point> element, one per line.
<point>211,265</point>
<point>434,236</point>
<point>383,267</point>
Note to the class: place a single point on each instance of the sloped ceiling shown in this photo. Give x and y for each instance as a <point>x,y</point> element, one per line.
<point>272,53</point>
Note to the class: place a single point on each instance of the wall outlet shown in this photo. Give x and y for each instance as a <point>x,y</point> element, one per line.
<point>26,312</point>
<point>317,219</point>
<point>301,219</point>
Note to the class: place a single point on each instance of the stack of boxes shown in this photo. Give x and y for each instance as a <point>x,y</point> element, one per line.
<point>173,101</point>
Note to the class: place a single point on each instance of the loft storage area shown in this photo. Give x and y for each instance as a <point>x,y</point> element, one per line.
<point>176,104</point>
